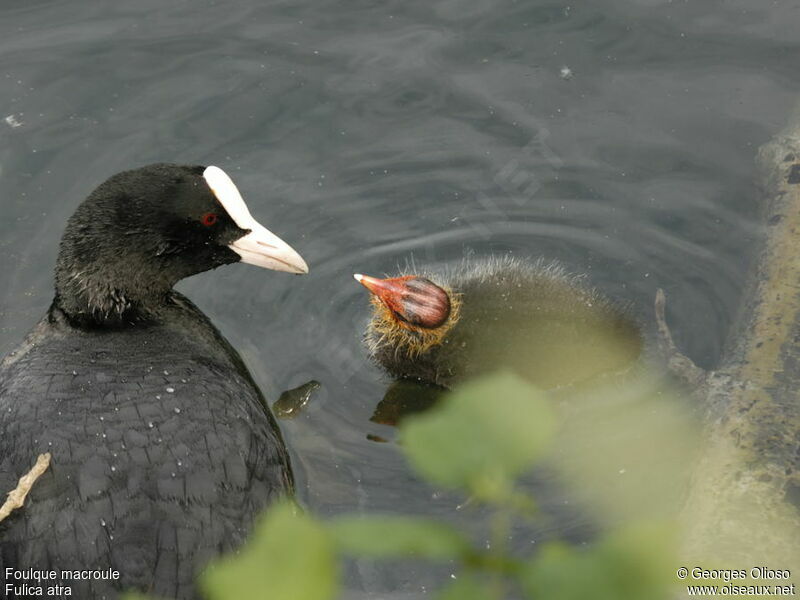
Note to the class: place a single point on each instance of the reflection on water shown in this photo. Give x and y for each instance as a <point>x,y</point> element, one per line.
<point>370,134</point>
<point>405,397</point>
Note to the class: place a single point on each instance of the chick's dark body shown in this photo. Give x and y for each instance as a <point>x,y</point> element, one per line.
<point>163,452</point>
<point>533,317</point>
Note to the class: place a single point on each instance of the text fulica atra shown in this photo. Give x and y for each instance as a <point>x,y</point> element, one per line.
<point>533,317</point>
<point>163,450</point>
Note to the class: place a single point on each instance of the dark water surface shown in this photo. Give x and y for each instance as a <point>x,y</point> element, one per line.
<point>616,136</point>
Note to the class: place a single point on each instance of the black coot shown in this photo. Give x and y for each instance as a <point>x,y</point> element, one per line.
<point>533,317</point>
<point>163,449</point>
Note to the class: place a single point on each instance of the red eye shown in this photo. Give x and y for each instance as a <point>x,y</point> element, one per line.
<point>209,219</point>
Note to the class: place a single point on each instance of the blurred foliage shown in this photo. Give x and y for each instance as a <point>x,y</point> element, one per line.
<point>630,563</point>
<point>290,555</point>
<point>478,440</point>
<point>398,537</point>
<point>624,449</point>
<point>483,438</point>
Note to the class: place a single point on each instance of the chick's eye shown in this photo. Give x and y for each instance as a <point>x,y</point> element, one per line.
<point>209,219</point>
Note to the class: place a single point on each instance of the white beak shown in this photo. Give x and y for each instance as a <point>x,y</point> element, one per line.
<point>260,247</point>
<point>263,248</point>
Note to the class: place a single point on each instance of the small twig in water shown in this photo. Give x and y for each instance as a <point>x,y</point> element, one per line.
<point>16,497</point>
<point>679,364</point>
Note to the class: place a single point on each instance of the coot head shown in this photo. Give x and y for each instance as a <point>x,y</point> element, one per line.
<point>411,313</point>
<point>143,230</point>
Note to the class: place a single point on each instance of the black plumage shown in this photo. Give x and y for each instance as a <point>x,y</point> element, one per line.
<point>163,449</point>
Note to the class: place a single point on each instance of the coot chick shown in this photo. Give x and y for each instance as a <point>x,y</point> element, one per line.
<point>534,317</point>
<point>163,449</point>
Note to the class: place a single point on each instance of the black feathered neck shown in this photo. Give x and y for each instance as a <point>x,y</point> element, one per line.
<point>98,290</point>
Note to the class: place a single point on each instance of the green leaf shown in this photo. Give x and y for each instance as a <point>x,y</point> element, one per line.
<point>401,537</point>
<point>482,436</point>
<point>466,588</point>
<point>633,564</point>
<point>627,450</point>
<point>289,556</point>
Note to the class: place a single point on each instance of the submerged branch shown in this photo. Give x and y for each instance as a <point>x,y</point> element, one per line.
<point>678,364</point>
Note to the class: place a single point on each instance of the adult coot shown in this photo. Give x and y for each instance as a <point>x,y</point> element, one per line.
<point>163,450</point>
<point>534,317</point>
